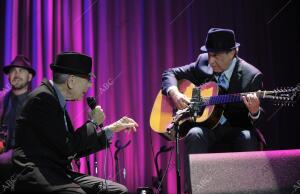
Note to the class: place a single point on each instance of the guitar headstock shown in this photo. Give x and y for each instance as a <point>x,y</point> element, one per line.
<point>286,96</point>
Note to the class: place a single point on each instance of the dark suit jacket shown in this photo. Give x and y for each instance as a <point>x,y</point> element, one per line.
<point>245,78</point>
<point>42,139</point>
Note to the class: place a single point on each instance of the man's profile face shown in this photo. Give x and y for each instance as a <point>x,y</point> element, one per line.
<point>220,61</point>
<point>81,86</point>
<point>19,78</point>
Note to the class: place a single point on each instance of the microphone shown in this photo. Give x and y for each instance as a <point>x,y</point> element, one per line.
<point>91,101</point>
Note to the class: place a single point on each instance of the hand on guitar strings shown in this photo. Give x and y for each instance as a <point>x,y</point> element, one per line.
<point>252,103</point>
<point>180,100</point>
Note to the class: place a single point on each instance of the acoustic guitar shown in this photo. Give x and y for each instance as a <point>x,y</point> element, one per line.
<point>206,106</point>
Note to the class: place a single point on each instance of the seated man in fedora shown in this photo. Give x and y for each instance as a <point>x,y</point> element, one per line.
<point>46,141</point>
<point>219,63</point>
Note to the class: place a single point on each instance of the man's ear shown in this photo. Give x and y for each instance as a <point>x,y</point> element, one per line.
<point>71,81</point>
<point>233,53</point>
<point>29,77</point>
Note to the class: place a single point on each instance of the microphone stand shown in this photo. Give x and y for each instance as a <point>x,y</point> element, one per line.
<point>176,127</point>
<point>119,148</point>
<point>157,181</point>
<point>195,108</point>
<point>181,115</point>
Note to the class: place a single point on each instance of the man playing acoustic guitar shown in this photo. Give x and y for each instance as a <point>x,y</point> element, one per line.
<point>219,63</point>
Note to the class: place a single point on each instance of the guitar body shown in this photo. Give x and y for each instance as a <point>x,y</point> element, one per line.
<point>209,107</point>
<point>163,112</point>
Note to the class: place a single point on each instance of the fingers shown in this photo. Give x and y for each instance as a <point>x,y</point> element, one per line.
<point>185,101</point>
<point>97,114</point>
<point>99,109</point>
<point>250,98</point>
<point>125,123</point>
<point>181,102</point>
<point>129,124</point>
<point>126,127</point>
<point>126,119</point>
<point>129,127</point>
<point>179,99</point>
<point>252,102</point>
<point>245,100</point>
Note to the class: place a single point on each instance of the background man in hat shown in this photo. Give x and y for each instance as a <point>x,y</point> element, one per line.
<point>46,141</point>
<point>221,64</point>
<point>20,74</point>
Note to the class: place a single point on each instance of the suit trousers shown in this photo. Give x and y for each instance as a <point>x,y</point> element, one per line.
<point>33,179</point>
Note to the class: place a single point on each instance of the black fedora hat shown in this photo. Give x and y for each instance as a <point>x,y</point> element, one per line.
<point>22,62</point>
<point>219,39</point>
<point>72,63</point>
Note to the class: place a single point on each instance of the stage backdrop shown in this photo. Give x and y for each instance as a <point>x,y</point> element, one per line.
<point>132,42</point>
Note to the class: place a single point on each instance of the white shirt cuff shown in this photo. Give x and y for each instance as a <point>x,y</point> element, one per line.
<point>256,116</point>
<point>109,134</point>
<point>170,88</point>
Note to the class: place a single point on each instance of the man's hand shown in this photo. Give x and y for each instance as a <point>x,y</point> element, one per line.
<point>97,115</point>
<point>122,124</point>
<point>180,100</point>
<point>252,103</point>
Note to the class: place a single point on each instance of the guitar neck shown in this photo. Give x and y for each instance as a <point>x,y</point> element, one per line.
<point>231,98</point>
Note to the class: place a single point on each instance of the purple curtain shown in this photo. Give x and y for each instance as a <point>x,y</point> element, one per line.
<point>128,57</point>
<point>132,42</point>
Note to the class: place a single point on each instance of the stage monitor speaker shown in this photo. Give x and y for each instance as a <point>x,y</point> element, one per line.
<point>261,172</point>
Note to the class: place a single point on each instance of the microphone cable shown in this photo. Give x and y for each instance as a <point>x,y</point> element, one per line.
<point>91,101</point>
<point>105,165</point>
<point>163,177</point>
